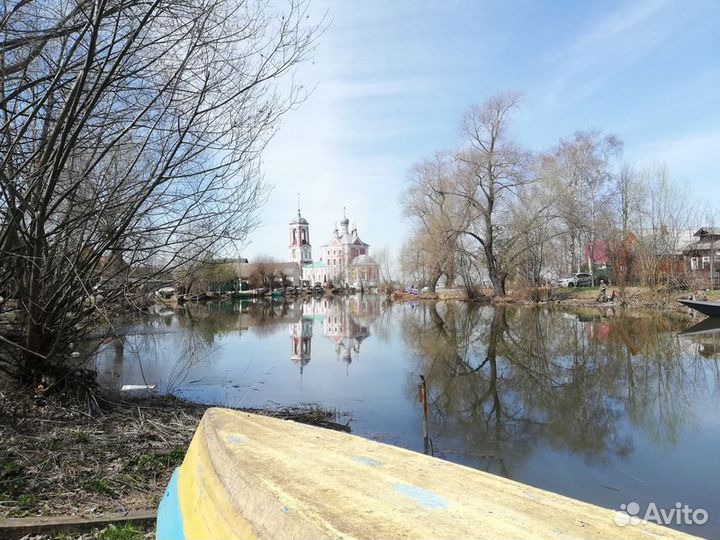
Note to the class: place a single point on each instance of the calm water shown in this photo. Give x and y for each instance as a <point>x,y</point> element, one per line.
<point>604,407</point>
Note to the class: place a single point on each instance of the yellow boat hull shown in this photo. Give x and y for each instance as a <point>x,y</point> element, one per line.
<point>251,476</point>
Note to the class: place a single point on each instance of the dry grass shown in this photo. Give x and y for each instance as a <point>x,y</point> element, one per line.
<point>112,532</point>
<point>59,460</point>
<point>577,293</point>
<point>635,297</point>
<point>713,295</point>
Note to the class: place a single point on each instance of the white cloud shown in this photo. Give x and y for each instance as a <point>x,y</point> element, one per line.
<point>616,42</point>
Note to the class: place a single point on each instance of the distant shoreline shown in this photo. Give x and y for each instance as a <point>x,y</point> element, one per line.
<point>635,298</point>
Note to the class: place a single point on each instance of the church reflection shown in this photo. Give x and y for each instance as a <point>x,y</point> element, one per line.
<point>301,334</point>
<point>142,355</point>
<point>344,322</point>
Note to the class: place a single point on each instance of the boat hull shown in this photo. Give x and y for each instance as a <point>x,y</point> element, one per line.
<point>711,325</point>
<point>250,476</point>
<point>711,309</point>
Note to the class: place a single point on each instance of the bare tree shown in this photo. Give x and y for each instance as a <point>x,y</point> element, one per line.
<point>385,261</point>
<point>535,218</point>
<point>630,194</point>
<point>665,219</point>
<point>532,222</point>
<point>416,264</point>
<point>464,202</point>
<point>583,166</point>
<point>129,129</point>
<point>491,170</point>
<point>438,215</point>
<point>265,272</point>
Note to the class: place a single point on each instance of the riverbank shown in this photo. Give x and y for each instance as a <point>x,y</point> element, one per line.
<point>59,460</point>
<point>634,297</point>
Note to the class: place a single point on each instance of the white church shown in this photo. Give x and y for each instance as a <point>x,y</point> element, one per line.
<point>345,259</point>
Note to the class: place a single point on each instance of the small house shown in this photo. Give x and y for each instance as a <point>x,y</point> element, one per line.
<point>703,255</point>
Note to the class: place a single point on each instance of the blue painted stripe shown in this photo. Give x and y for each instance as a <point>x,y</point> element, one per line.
<point>423,497</point>
<point>365,460</point>
<point>169,517</point>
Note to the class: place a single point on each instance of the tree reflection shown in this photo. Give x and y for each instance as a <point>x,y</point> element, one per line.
<point>507,380</point>
<point>143,354</point>
<point>217,319</point>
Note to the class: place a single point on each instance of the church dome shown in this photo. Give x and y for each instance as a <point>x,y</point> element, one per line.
<point>363,260</point>
<point>345,221</point>
<point>298,219</point>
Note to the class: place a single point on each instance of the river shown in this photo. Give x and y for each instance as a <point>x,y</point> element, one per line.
<point>604,406</point>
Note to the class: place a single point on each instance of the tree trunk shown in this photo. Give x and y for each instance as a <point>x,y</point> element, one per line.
<point>434,278</point>
<point>495,273</point>
<point>34,338</point>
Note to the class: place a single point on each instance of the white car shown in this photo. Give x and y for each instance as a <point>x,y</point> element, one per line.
<point>578,280</point>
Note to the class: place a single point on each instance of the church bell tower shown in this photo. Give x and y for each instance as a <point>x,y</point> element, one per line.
<point>300,249</point>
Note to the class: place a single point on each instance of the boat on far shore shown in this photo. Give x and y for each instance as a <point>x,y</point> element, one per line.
<point>711,309</point>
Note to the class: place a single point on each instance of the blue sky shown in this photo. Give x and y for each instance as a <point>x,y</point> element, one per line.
<point>392,80</point>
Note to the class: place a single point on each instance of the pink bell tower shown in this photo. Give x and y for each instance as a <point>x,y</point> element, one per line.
<point>300,249</point>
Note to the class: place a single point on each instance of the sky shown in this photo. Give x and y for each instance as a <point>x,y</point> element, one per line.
<point>391,80</point>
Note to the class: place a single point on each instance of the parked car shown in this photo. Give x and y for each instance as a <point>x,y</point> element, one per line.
<point>578,280</point>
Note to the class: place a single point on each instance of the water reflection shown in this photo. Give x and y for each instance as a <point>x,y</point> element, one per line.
<point>506,385</point>
<point>517,375</point>
<point>202,327</point>
<point>706,336</point>
<point>606,406</point>
<point>345,323</point>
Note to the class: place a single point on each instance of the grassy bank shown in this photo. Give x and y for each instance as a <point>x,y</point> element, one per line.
<point>635,297</point>
<point>58,460</point>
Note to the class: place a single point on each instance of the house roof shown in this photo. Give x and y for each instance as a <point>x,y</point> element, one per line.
<point>702,246</point>
<point>702,231</point>
<point>346,239</point>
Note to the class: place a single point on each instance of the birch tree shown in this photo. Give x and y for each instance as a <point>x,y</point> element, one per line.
<point>584,165</point>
